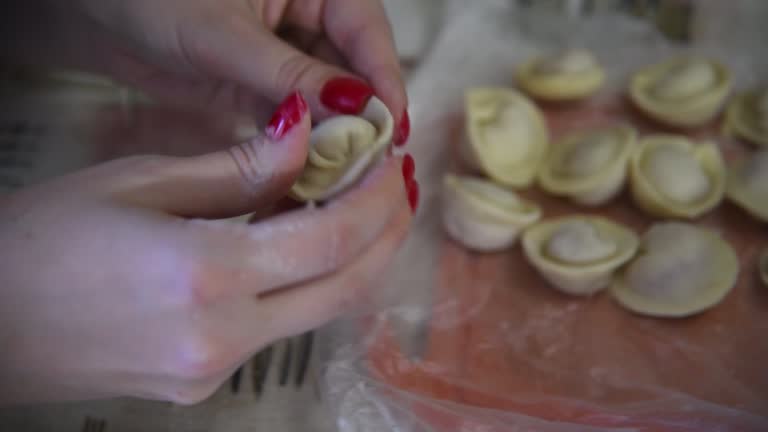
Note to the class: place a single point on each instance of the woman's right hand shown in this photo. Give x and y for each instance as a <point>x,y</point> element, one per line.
<point>115,281</point>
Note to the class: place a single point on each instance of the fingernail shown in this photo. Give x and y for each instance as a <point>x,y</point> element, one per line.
<point>287,115</point>
<point>412,187</point>
<point>346,95</point>
<point>403,130</point>
<point>409,167</point>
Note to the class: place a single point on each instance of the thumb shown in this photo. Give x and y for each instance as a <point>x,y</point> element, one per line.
<point>229,182</point>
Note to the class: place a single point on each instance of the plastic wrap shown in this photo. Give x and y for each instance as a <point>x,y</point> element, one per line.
<point>467,342</point>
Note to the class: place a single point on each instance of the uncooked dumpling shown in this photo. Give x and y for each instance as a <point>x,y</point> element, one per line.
<point>675,177</point>
<point>683,92</point>
<point>747,116</point>
<point>676,174</point>
<point>341,149</point>
<point>578,255</point>
<point>483,216</point>
<point>748,184</point>
<point>589,167</point>
<point>681,270</point>
<point>579,242</point>
<point>507,136</point>
<point>567,75</point>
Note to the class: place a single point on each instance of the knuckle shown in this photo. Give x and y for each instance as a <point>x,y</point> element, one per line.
<point>253,166</point>
<point>194,48</point>
<point>201,290</point>
<point>202,358</point>
<point>292,72</point>
<point>195,51</point>
<point>341,245</point>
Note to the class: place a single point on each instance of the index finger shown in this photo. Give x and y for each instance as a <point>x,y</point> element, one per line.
<point>361,31</point>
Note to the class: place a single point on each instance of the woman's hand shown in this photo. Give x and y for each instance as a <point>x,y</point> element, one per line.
<point>229,54</point>
<point>116,282</point>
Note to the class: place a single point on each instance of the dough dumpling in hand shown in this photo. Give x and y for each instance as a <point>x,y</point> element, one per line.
<point>683,92</point>
<point>681,270</point>
<point>507,138</point>
<point>341,149</point>
<point>564,76</point>
<point>671,176</point>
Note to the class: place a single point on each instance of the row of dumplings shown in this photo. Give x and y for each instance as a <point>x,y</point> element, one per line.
<point>676,269</point>
<point>670,175</point>
<point>682,91</point>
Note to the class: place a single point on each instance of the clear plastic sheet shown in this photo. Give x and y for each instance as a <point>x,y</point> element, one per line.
<point>466,342</point>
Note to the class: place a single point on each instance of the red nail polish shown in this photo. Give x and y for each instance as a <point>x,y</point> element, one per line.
<point>403,130</point>
<point>409,167</point>
<point>346,95</point>
<point>412,187</point>
<point>287,115</point>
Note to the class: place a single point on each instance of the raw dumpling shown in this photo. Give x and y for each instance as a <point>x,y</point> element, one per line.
<point>483,216</point>
<point>507,136</point>
<point>589,167</point>
<point>747,116</point>
<point>684,92</point>
<point>568,75</point>
<point>748,184</point>
<point>578,255</point>
<point>673,177</point>
<point>341,149</point>
<point>681,270</point>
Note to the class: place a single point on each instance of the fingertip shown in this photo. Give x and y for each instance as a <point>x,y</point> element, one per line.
<point>391,90</point>
<point>274,159</point>
<point>412,189</point>
<point>299,135</point>
<point>403,130</point>
<point>295,148</point>
<point>345,95</point>
<point>291,112</point>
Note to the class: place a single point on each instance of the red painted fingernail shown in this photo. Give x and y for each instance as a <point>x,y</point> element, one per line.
<point>403,130</point>
<point>409,167</point>
<point>412,186</point>
<point>346,95</point>
<point>287,115</point>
